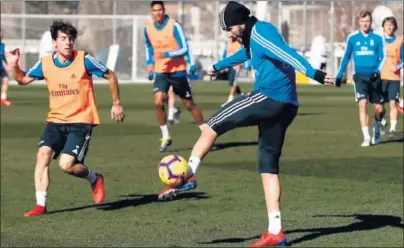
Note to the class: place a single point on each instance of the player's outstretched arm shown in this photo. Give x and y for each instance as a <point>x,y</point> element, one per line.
<point>238,57</point>
<point>117,109</point>
<point>272,45</point>
<point>19,75</point>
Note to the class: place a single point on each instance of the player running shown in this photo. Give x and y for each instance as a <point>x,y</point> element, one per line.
<point>390,73</point>
<point>231,47</point>
<point>165,49</point>
<point>73,111</point>
<point>271,106</point>
<point>3,72</point>
<point>174,112</point>
<point>368,57</point>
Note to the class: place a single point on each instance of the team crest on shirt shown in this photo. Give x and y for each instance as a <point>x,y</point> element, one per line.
<point>372,42</point>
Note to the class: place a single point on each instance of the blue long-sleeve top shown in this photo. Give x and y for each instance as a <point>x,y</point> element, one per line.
<point>274,62</point>
<point>368,53</point>
<point>180,38</point>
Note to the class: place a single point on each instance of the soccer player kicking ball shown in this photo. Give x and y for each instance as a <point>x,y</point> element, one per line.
<point>73,111</point>
<point>271,106</point>
<point>390,73</point>
<point>166,47</point>
<point>368,57</point>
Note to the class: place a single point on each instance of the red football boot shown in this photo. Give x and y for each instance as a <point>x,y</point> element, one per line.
<point>98,189</point>
<point>268,239</point>
<point>5,102</point>
<point>38,210</point>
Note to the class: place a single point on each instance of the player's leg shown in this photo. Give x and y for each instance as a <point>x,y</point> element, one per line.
<point>393,96</point>
<point>73,156</point>
<point>243,111</point>
<point>50,145</point>
<point>271,138</point>
<point>173,111</point>
<point>182,89</point>
<point>4,88</point>
<point>375,93</point>
<point>361,94</point>
<point>161,86</point>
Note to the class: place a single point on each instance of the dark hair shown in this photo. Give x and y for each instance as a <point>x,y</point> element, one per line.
<point>392,20</point>
<point>365,13</point>
<point>157,2</point>
<point>63,27</point>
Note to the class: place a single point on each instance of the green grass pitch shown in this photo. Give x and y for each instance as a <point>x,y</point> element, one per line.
<point>334,193</point>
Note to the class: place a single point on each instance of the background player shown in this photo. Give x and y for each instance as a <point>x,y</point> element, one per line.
<point>174,112</point>
<point>231,47</point>
<point>73,112</point>
<point>3,72</point>
<point>390,73</point>
<point>368,56</point>
<point>165,48</point>
<point>272,106</point>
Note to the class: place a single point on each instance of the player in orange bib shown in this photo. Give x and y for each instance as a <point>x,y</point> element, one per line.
<point>166,48</point>
<point>232,47</point>
<point>73,111</point>
<point>390,74</point>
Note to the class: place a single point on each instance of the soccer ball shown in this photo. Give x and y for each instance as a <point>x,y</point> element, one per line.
<point>173,170</point>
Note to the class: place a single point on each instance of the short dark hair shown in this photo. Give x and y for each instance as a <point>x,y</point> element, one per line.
<point>392,20</point>
<point>63,27</point>
<point>365,13</point>
<point>157,2</point>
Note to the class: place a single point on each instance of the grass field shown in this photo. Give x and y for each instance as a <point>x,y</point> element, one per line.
<point>334,194</point>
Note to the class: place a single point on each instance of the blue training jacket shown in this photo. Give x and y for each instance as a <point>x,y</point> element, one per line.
<point>368,53</point>
<point>274,63</point>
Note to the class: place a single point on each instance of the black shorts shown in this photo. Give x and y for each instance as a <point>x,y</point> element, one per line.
<point>251,109</point>
<point>368,87</point>
<point>181,87</point>
<point>3,73</point>
<point>72,139</point>
<point>271,117</point>
<point>391,90</point>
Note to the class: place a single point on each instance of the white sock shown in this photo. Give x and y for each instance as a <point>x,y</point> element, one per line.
<point>376,127</point>
<point>3,95</point>
<point>41,198</point>
<point>164,132</point>
<point>274,219</point>
<point>393,124</point>
<point>171,112</point>
<point>365,131</point>
<point>384,121</point>
<point>193,164</point>
<point>91,177</point>
<point>230,98</point>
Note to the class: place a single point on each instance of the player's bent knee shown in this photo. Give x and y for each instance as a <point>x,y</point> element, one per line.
<point>189,104</point>
<point>44,156</point>
<point>268,161</point>
<point>208,131</point>
<point>66,163</point>
<point>378,108</point>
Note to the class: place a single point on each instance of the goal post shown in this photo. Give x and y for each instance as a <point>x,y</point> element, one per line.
<point>95,35</point>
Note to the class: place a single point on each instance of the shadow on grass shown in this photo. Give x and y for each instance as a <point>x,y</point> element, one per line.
<point>364,222</point>
<point>134,200</point>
